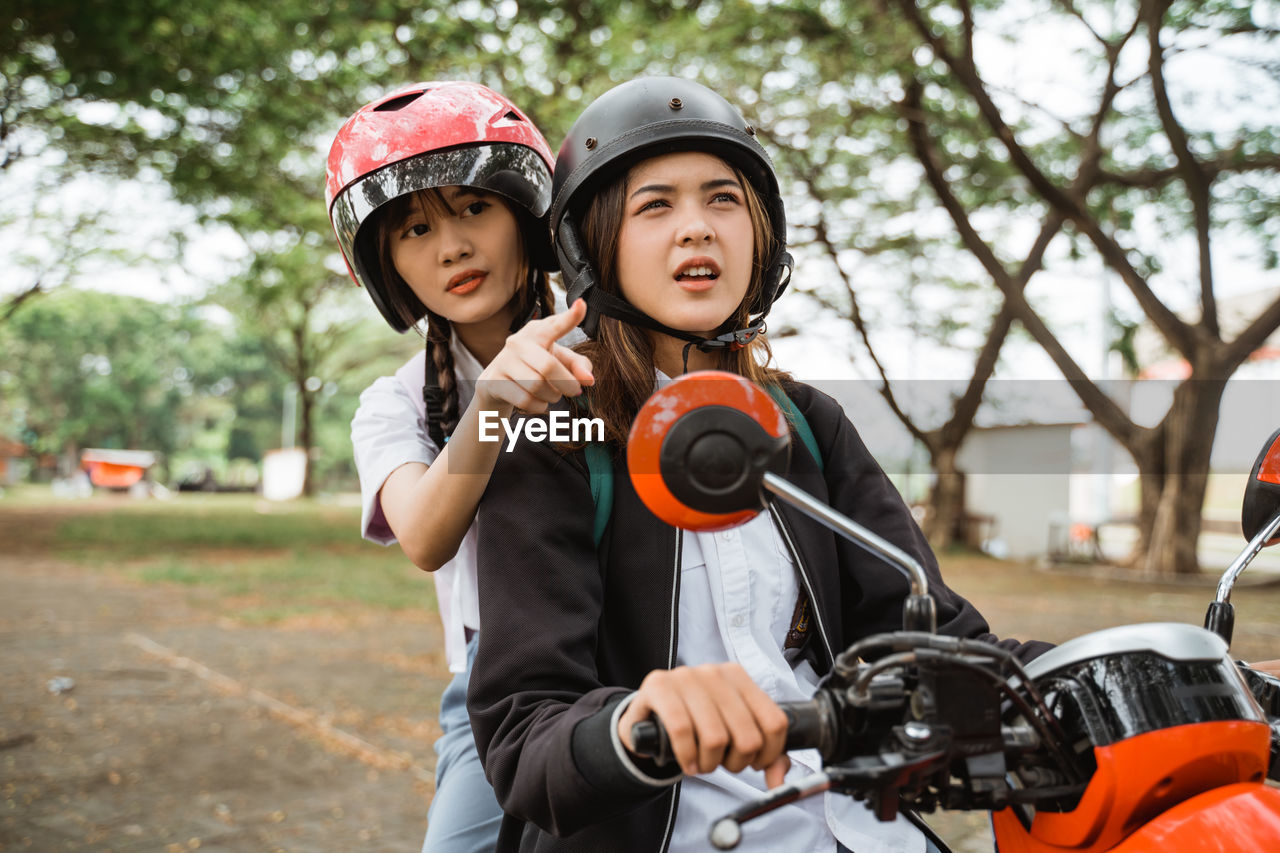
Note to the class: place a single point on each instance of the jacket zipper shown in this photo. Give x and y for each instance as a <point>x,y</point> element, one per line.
<point>672,637</point>
<point>781,523</point>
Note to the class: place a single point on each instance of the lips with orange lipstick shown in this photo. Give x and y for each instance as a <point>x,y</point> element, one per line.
<point>697,274</point>
<point>465,282</point>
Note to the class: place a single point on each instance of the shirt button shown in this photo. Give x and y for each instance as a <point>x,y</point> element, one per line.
<point>727,535</point>
<point>739,620</point>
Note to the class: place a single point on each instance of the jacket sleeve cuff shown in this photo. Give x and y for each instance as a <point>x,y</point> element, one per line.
<point>606,763</point>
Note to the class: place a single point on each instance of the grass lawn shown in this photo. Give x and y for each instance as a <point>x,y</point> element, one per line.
<point>260,562</point>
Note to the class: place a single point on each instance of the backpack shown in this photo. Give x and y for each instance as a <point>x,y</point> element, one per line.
<point>600,466</point>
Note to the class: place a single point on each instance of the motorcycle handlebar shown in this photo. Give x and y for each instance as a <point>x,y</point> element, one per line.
<point>1266,689</point>
<point>811,724</point>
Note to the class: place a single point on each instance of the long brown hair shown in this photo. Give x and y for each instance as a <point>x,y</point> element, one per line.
<point>535,291</point>
<point>621,354</point>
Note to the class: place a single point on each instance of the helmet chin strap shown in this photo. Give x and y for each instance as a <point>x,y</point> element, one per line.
<point>600,303</point>
<point>608,305</point>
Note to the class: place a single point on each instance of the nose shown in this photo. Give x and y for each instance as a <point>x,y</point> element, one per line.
<point>694,228</point>
<point>454,243</point>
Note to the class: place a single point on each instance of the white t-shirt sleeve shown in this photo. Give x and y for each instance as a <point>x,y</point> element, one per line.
<point>386,432</point>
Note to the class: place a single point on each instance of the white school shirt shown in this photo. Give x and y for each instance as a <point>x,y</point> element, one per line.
<point>738,593</point>
<point>389,430</point>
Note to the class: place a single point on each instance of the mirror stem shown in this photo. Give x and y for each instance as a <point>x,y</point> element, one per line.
<point>850,529</point>
<point>1228,579</point>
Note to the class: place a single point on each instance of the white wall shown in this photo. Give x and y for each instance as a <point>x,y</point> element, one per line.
<point>1021,476</point>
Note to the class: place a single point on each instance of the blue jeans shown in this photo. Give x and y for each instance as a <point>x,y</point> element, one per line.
<point>464,816</point>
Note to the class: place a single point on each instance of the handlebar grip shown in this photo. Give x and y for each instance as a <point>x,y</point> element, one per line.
<point>649,740</point>
<point>807,724</point>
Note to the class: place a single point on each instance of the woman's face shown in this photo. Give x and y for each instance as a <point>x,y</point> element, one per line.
<point>685,245</point>
<point>462,257</point>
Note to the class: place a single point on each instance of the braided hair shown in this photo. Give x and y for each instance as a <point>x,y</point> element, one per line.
<point>533,299</point>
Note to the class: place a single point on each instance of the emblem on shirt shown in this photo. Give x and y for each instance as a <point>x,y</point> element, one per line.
<point>799,631</point>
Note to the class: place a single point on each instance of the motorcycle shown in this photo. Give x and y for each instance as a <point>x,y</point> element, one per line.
<point>1131,739</point>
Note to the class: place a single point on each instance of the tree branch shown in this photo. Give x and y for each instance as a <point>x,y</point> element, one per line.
<point>15,301</point>
<point>1193,177</point>
<point>1254,335</point>
<point>854,312</point>
<point>1175,330</point>
<point>1111,416</point>
<point>1227,162</point>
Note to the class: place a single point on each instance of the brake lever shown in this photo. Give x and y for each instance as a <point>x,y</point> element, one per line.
<point>726,833</point>
<point>1266,689</point>
<point>878,779</point>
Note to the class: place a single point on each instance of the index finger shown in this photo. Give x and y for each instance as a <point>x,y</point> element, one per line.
<point>548,330</point>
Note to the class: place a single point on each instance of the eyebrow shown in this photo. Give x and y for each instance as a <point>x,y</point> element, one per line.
<point>706,187</point>
<point>459,192</point>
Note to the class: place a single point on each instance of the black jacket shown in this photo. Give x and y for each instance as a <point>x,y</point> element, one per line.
<point>568,632</point>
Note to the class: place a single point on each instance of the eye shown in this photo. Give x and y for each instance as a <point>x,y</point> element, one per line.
<point>416,230</point>
<point>725,196</point>
<point>474,209</point>
<point>654,204</point>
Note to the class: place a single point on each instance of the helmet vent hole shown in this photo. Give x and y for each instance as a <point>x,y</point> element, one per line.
<point>397,103</point>
<point>676,104</point>
<point>512,116</point>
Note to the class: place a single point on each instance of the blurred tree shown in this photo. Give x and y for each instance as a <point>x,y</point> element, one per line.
<point>821,82</point>
<point>302,315</point>
<point>1179,144</point>
<point>229,104</point>
<point>859,99</point>
<point>101,370</point>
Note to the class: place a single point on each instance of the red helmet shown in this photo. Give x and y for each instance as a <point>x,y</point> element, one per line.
<point>428,135</point>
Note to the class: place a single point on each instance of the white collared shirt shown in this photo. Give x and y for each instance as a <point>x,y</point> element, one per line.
<point>389,430</point>
<point>738,593</point>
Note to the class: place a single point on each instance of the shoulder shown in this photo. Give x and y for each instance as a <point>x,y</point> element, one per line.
<point>389,396</point>
<point>389,419</point>
<point>818,407</point>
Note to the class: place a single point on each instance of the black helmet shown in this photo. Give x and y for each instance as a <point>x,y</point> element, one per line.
<point>645,118</point>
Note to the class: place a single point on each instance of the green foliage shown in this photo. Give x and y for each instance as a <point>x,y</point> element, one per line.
<point>95,369</point>
<point>232,105</point>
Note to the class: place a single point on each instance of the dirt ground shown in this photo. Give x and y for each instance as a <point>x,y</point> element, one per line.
<point>185,731</point>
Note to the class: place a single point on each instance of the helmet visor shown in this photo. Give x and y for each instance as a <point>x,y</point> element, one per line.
<point>512,171</point>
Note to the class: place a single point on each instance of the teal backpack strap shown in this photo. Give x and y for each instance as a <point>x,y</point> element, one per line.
<point>797,419</point>
<point>600,472</point>
<point>600,475</point>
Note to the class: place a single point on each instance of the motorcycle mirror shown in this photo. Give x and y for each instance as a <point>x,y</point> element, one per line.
<point>700,447</point>
<point>1260,521</point>
<point>1262,494</point>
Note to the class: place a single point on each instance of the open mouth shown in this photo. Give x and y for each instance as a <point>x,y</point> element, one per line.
<point>697,270</point>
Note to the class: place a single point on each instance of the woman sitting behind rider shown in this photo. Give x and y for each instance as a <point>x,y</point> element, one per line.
<point>668,218</point>
<point>438,194</point>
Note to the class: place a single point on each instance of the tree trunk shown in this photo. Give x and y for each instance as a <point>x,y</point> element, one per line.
<point>1149,457</point>
<point>1174,515</point>
<point>307,439</point>
<point>946,500</point>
